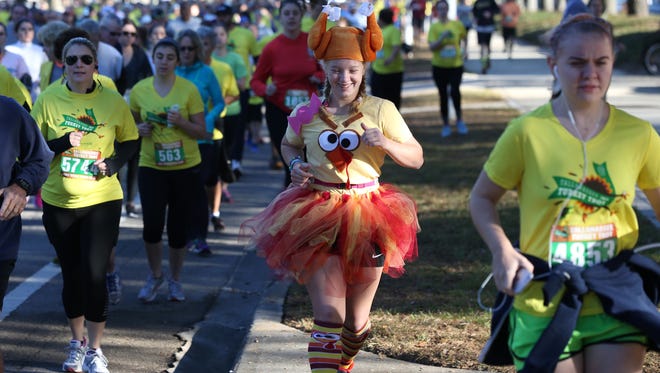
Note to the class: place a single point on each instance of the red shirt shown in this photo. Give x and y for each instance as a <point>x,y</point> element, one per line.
<point>290,65</point>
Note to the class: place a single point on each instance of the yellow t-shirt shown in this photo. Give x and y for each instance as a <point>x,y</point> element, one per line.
<point>391,40</point>
<point>450,54</point>
<point>228,86</point>
<point>168,148</point>
<point>352,160</point>
<point>539,158</point>
<point>9,86</point>
<point>105,118</point>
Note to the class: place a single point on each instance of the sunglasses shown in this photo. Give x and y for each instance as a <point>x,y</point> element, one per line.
<point>85,58</point>
<point>187,49</point>
<point>112,33</point>
<point>128,33</point>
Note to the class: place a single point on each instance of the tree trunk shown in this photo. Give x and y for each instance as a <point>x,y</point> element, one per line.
<point>637,7</point>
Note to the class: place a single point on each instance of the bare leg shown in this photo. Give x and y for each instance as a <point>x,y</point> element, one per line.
<point>77,327</point>
<point>155,258</point>
<point>95,331</point>
<point>327,291</point>
<point>614,358</point>
<point>177,256</point>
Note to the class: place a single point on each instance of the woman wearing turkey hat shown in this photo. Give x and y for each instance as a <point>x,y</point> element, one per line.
<point>336,229</point>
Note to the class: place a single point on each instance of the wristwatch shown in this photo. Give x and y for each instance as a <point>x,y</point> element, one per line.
<point>24,184</point>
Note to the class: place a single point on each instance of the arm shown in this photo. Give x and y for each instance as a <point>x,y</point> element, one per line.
<point>506,260</point>
<point>195,127</point>
<point>261,75</point>
<point>32,167</point>
<point>406,154</point>
<point>300,170</point>
<point>218,102</point>
<point>653,195</point>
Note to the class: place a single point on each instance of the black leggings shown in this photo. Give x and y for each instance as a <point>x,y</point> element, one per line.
<point>449,77</point>
<point>276,119</point>
<point>173,193</point>
<point>83,238</point>
<point>387,86</point>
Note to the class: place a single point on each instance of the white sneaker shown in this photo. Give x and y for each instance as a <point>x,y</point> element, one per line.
<point>176,291</point>
<point>461,128</point>
<point>95,362</point>
<point>76,350</point>
<point>446,131</point>
<point>150,289</point>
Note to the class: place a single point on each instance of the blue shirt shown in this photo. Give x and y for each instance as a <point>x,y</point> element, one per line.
<point>209,88</point>
<point>24,154</point>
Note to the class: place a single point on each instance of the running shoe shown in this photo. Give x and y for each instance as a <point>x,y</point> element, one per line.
<point>131,211</point>
<point>461,128</point>
<point>113,283</point>
<point>446,131</point>
<point>201,248</point>
<point>192,246</point>
<point>150,289</point>
<point>95,362</point>
<point>218,224</point>
<point>176,291</point>
<point>76,350</point>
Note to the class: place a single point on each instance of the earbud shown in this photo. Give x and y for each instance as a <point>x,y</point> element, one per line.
<point>554,72</point>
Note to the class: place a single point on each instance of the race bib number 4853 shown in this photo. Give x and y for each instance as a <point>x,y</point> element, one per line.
<point>583,246</point>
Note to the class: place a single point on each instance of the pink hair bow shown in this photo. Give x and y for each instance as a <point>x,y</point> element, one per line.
<point>304,114</point>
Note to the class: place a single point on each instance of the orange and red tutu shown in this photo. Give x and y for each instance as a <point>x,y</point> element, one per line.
<point>301,228</point>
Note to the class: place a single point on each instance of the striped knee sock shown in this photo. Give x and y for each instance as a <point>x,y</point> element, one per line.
<point>352,342</point>
<point>324,351</point>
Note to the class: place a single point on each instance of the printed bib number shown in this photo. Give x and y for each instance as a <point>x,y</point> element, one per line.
<point>448,52</point>
<point>584,246</point>
<point>169,154</point>
<point>78,164</point>
<point>294,97</point>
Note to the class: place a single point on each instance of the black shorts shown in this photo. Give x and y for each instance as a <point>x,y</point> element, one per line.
<point>6,266</point>
<point>508,32</point>
<point>484,38</point>
<point>418,22</point>
<point>253,113</point>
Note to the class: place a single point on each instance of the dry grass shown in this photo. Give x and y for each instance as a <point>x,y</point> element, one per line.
<point>430,315</point>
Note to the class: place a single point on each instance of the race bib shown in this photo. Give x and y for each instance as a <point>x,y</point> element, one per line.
<point>294,97</point>
<point>169,154</point>
<point>448,52</point>
<point>583,246</point>
<point>79,164</point>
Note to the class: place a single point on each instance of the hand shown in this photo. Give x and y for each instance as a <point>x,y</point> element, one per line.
<point>75,137</point>
<point>145,129</point>
<point>300,175</point>
<point>271,89</point>
<point>101,166</point>
<point>373,137</point>
<point>174,117</point>
<point>14,200</point>
<point>507,268</point>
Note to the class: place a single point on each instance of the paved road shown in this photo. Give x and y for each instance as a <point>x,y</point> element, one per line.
<point>232,297</point>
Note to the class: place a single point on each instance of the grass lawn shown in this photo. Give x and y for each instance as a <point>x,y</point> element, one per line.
<point>430,315</point>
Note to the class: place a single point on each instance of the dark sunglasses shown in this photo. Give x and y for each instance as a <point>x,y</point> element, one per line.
<point>85,58</point>
<point>189,49</point>
<point>112,33</point>
<point>128,33</point>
